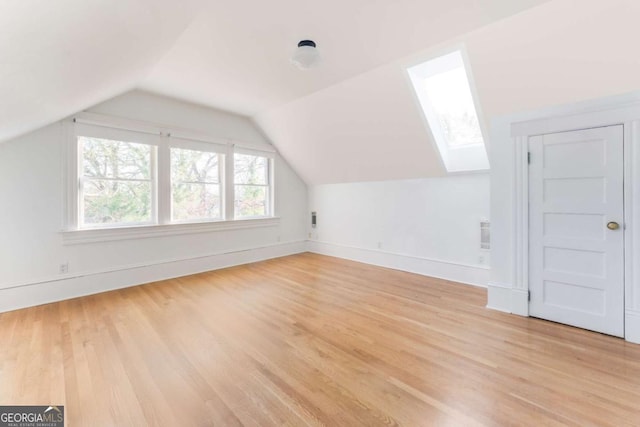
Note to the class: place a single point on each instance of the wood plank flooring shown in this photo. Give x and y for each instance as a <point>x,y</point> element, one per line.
<point>311,340</point>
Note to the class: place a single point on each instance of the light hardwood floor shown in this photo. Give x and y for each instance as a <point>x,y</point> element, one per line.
<point>311,340</point>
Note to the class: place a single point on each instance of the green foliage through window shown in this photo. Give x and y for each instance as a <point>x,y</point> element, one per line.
<point>116,181</point>
<point>195,185</point>
<point>251,181</point>
<point>128,178</point>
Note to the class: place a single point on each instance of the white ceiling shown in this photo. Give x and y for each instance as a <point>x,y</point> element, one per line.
<point>369,127</point>
<point>235,54</point>
<point>351,119</point>
<point>58,57</point>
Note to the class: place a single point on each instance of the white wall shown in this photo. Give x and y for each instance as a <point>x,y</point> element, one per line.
<point>508,283</point>
<point>521,72</point>
<point>31,216</point>
<point>427,226</point>
<point>561,52</point>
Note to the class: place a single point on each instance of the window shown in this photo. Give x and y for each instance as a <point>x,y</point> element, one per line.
<point>196,192</point>
<point>120,178</point>
<point>252,182</point>
<point>445,96</point>
<point>116,182</point>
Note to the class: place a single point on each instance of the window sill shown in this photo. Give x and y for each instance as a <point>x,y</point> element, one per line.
<point>78,237</point>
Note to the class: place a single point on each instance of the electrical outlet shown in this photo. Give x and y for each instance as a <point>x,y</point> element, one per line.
<point>379,245</point>
<point>64,268</point>
<point>310,235</point>
<point>481,259</point>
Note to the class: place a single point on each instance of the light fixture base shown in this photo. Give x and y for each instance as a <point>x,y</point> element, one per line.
<point>306,43</point>
<point>306,55</point>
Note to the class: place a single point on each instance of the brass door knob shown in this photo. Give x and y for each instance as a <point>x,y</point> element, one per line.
<point>613,225</point>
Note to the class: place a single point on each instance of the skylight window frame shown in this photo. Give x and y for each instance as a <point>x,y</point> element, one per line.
<point>463,159</point>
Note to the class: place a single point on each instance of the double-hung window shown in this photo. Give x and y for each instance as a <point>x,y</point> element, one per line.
<point>117,178</point>
<point>197,193</point>
<point>253,187</point>
<point>127,178</point>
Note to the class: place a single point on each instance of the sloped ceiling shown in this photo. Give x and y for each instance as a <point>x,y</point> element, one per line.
<point>235,55</point>
<point>364,129</point>
<point>351,119</point>
<point>562,52</point>
<point>369,128</point>
<point>58,57</point>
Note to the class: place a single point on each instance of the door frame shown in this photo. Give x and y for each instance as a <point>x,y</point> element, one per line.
<point>561,119</point>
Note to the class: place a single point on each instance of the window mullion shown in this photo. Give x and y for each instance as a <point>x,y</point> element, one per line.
<point>164,181</point>
<point>80,199</point>
<point>228,182</point>
<point>270,193</point>
<point>106,178</point>
<point>74,191</point>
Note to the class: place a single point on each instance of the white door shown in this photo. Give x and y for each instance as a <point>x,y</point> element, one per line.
<point>576,266</point>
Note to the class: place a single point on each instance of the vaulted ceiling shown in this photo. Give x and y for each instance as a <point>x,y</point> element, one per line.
<point>369,128</point>
<point>59,57</point>
<point>353,118</point>
<point>235,54</point>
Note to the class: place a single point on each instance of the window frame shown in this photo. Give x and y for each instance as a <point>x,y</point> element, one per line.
<point>115,135</point>
<point>162,139</point>
<point>463,159</point>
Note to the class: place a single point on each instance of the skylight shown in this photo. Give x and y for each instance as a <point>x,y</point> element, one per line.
<point>444,93</point>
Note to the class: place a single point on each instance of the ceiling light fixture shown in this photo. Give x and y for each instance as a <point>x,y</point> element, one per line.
<point>306,55</point>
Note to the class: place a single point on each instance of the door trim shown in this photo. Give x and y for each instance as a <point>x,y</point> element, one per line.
<point>562,119</point>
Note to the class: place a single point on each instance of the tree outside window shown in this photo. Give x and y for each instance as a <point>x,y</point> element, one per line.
<point>116,182</point>
<point>252,186</point>
<point>195,183</point>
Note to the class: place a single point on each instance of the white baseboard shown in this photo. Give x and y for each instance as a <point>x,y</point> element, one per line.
<point>469,274</point>
<point>520,302</point>
<point>632,326</point>
<point>72,286</point>
<point>499,297</point>
<point>502,297</point>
